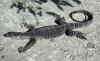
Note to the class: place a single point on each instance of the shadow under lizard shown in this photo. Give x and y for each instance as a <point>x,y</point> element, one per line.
<point>53,30</point>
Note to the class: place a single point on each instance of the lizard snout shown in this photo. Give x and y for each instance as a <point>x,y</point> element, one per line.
<point>9,34</point>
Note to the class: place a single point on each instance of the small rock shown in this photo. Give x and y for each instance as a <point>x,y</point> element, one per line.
<point>90,45</point>
<point>1,48</point>
<point>3,56</point>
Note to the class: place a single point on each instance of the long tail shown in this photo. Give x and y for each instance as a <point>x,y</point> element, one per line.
<point>88,19</point>
<point>11,34</point>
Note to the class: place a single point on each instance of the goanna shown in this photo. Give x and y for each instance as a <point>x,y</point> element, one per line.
<point>53,30</point>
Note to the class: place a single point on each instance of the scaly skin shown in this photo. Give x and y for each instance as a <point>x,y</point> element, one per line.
<point>53,30</point>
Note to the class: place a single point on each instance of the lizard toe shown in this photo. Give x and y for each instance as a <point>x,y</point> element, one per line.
<point>81,36</point>
<point>21,49</point>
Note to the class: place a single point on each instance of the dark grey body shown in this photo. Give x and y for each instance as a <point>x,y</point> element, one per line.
<point>49,31</point>
<point>54,30</point>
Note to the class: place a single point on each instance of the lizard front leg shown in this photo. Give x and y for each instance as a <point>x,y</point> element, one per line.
<point>27,46</point>
<point>28,26</point>
<point>75,33</point>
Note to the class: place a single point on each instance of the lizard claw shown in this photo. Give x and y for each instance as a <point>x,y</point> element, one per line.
<point>81,35</point>
<point>21,49</point>
<point>58,17</point>
<point>23,24</point>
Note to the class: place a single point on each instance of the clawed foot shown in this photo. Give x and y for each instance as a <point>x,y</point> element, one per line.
<point>21,49</point>
<point>76,33</point>
<point>23,24</point>
<point>28,26</point>
<point>81,36</point>
<point>60,20</point>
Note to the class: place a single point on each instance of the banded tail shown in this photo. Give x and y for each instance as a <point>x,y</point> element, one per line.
<point>88,19</point>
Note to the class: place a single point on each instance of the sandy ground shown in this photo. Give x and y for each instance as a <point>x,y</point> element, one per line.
<point>62,48</point>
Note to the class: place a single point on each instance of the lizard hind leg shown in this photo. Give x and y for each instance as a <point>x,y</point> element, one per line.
<point>75,33</point>
<point>27,46</point>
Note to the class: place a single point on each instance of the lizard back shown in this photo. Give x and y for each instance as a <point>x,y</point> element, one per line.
<point>50,31</point>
